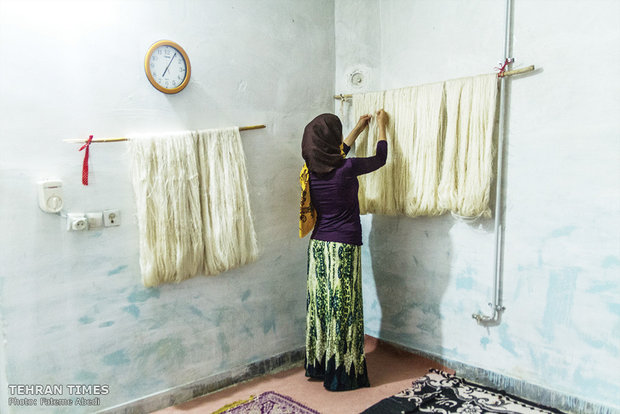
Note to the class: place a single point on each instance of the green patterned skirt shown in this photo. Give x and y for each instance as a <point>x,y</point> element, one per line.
<point>335,316</point>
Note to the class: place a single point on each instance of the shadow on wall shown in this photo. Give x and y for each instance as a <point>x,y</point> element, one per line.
<point>411,269</point>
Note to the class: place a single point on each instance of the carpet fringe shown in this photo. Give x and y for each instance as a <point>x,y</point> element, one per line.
<point>233,405</point>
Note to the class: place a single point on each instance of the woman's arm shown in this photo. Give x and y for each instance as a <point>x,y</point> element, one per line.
<point>361,166</point>
<point>382,120</point>
<point>361,125</point>
<point>365,165</point>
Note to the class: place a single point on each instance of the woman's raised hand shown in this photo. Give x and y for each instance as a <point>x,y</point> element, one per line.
<point>382,117</point>
<point>363,122</point>
<point>382,120</point>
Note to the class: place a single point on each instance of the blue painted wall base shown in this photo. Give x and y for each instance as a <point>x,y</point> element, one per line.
<point>208,385</point>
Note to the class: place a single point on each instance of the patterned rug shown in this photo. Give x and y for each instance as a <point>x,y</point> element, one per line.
<point>440,392</point>
<point>267,403</point>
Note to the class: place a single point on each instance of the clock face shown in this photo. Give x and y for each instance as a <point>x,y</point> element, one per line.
<point>167,67</point>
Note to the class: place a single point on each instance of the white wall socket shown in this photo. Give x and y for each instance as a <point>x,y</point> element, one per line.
<point>77,222</point>
<point>111,218</point>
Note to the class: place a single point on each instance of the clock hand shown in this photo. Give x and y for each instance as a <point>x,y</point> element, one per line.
<point>166,70</point>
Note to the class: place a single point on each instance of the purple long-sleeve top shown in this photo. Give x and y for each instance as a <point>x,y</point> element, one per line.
<point>334,196</point>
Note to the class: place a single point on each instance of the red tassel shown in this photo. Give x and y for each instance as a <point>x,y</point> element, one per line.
<point>503,68</point>
<point>85,163</point>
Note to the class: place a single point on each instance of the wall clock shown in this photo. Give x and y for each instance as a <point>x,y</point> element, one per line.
<point>167,66</point>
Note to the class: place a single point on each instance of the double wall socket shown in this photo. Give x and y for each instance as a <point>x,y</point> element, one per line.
<point>81,221</point>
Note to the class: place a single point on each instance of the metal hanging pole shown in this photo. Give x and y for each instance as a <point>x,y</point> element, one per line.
<point>497,307</point>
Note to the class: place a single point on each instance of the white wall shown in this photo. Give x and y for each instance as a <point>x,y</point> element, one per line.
<point>73,309</point>
<point>425,277</point>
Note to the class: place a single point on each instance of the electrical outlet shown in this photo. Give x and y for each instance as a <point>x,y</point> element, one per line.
<point>111,218</point>
<point>77,222</point>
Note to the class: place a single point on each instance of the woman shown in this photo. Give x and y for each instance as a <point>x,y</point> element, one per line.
<point>335,320</point>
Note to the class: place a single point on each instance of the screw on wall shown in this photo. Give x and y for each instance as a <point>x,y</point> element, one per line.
<point>111,218</point>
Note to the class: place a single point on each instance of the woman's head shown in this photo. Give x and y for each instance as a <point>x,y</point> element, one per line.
<point>320,146</point>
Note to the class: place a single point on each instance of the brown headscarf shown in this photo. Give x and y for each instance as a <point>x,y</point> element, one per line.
<point>320,146</point>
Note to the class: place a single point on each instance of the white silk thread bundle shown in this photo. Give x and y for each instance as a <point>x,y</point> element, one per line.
<point>372,195</point>
<point>469,151</point>
<point>228,229</point>
<point>192,204</point>
<point>166,188</point>
<point>440,148</point>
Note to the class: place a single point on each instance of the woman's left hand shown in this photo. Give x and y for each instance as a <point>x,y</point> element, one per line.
<point>363,122</point>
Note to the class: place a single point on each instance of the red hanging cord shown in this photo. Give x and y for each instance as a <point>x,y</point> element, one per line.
<point>85,164</point>
<point>503,68</point>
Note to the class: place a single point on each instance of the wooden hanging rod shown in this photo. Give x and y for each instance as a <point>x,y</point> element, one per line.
<point>517,71</point>
<point>243,128</point>
<point>507,73</point>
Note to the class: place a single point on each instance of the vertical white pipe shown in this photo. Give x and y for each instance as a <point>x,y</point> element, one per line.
<point>496,306</point>
<point>500,163</point>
